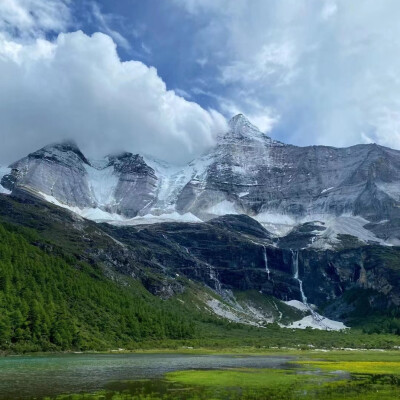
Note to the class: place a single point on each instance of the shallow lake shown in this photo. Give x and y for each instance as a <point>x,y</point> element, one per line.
<point>25,377</point>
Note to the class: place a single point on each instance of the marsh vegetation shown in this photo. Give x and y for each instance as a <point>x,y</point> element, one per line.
<point>341,375</point>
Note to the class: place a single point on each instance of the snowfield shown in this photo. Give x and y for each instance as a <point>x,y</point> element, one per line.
<point>102,183</point>
<point>297,304</point>
<point>156,219</point>
<point>4,171</point>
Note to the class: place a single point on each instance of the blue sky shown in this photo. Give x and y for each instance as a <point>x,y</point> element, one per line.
<point>163,77</point>
<point>160,34</point>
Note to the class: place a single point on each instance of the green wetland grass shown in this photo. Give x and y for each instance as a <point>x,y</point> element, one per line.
<point>330,376</point>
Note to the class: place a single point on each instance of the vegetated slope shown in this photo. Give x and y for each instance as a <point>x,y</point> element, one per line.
<point>68,283</point>
<point>50,302</point>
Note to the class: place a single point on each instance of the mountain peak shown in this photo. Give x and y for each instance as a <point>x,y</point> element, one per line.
<point>127,162</point>
<point>64,150</point>
<point>240,128</point>
<point>65,145</point>
<point>238,121</point>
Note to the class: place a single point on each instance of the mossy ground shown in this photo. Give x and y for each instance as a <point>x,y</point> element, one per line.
<point>358,367</point>
<point>237,377</point>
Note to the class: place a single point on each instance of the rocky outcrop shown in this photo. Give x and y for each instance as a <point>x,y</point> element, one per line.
<point>137,183</point>
<point>57,171</point>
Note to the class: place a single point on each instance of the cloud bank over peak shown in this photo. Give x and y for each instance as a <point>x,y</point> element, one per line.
<point>305,71</point>
<point>328,70</point>
<point>76,87</point>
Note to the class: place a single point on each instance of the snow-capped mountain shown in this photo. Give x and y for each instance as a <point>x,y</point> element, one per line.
<point>353,190</point>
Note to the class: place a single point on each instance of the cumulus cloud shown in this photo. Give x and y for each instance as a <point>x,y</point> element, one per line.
<point>76,87</point>
<point>104,22</point>
<point>27,18</point>
<point>328,69</point>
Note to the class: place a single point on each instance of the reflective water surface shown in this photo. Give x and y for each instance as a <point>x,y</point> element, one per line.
<point>24,377</point>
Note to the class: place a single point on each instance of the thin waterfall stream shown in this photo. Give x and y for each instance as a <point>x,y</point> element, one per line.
<point>266,262</point>
<point>295,261</point>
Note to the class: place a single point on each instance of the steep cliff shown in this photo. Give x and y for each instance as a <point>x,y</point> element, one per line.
<point>350,190</point>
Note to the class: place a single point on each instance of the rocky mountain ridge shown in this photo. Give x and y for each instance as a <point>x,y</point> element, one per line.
<point>351,191</point>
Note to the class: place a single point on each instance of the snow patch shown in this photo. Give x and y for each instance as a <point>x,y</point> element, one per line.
<point>345,225</point>
<point>3,190</point>
<point>323,324</point>
<point>246,313</point>
<point>222,208</point>
<point>327,190</point>
<point>4,171</point>
<point>98,215</point>
<point>315,320</point>
<point>278,224</point>
<point>172,179</point>
<point>95,214</point>
<point>274,218</point>
<point>102,183</point>
<point>297,304</point>
<point>156,219</point>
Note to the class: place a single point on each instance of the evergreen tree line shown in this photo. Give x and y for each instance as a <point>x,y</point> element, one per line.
<point>50,302</point>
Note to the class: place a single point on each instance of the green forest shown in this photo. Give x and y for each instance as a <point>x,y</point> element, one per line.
<point>52,302</point>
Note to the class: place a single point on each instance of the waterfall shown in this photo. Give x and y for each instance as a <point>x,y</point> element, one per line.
<point>267,270</point>
<point>266,262</point>
<point>214,277</point>
<point>295,262</point>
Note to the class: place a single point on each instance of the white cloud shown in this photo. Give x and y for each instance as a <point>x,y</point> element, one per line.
<point>183,93</point>
<point>105,21</point>
<point>27,18</point>
<point>329,9</point>
<point>388,134</point>
<point>274,60</point>
<point>76,87</point>
<point>328,68</point>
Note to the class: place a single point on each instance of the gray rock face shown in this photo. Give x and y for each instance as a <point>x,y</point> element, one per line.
<point>256,174</point>
<point>55,170</point>
<point>119,184</point>
<point>137,183</point>
<point>246,173</point>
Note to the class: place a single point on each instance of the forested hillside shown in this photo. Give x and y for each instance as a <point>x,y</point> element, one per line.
<point>69,284</point>
<point>50,302</point>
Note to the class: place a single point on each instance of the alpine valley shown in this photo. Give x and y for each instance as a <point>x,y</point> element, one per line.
<point>256,242</point>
